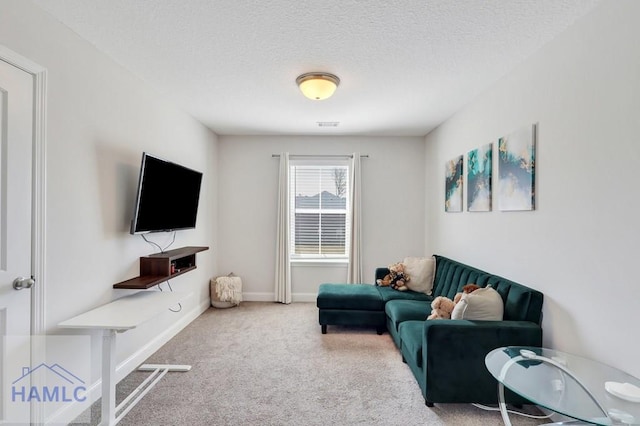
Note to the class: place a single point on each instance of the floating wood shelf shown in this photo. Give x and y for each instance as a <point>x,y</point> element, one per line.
<point>160,267</point>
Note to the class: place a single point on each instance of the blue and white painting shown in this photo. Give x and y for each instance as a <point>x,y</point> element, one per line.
<point>516,170</point>
<point>453,185</point>
<point>479,179</point>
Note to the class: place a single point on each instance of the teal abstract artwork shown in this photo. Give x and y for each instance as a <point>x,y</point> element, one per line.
<point>516,170</point>
<point>479,168</point>
<point>453,185</point>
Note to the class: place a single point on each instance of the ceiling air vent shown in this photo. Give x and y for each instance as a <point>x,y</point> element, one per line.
<point>328,123</point>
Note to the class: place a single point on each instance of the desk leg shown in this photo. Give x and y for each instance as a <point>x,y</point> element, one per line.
<point>503,405</point>
<point>109,378</point>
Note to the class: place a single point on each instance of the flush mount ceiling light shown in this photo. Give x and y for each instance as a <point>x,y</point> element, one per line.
<point>317,85</point>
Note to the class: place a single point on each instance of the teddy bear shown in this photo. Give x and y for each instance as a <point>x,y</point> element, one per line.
<point>441,308</point>
<point>469,288</point>
<point>396,278</point>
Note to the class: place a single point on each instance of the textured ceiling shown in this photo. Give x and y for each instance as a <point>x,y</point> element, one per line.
<point>405,66</point>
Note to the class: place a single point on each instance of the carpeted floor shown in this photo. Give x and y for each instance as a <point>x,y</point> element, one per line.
<point>268,364</point>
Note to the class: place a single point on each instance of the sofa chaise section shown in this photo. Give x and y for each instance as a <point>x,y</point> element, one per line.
<point>351,305</point>
<point>358,304</point>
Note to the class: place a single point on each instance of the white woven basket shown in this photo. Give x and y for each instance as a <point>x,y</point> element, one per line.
<point>226,291</point>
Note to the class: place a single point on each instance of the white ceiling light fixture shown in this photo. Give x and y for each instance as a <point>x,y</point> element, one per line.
<point>317,85</point>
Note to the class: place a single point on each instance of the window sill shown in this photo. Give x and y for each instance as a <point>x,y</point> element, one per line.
<point>319,262</point>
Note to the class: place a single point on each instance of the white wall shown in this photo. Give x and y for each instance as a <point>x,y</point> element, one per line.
<point>100,120</point>
<point>392,204</point>
<point>580,245</point>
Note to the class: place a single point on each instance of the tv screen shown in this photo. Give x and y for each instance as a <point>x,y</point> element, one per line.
<point>167,198</point>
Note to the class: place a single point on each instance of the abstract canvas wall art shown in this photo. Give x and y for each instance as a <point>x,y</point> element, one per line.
<point>479,168</point>
<point>516,170</point>
<point>453,185</point>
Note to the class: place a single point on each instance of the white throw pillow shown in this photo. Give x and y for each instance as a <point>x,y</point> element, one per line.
<point>421,271</point>
<point>484,304</point>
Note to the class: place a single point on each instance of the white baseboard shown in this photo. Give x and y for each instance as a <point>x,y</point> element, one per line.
<point>94,391</point>
<point>257,297</point>
<point>270,297</point>
<point>304,297</point>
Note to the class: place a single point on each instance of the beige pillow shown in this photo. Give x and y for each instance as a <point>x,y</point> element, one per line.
<point>421,271</point>
<point>484,304</point>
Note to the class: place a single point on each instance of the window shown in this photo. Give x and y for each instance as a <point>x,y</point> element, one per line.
<point>319,209</point>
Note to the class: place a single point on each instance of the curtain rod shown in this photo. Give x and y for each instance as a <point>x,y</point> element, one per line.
<point>318,155</point>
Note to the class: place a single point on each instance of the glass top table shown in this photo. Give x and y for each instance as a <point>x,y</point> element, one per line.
<point>567,384</point>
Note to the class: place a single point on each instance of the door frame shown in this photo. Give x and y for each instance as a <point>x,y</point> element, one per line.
<point>38,246</point>
<point>38,201</point>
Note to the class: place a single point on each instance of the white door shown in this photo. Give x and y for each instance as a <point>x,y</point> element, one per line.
<point>16,147</point>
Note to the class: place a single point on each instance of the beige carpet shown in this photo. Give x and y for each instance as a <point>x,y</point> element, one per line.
<point>268,364</point>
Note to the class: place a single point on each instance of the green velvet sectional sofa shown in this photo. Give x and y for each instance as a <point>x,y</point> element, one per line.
<point>445,356</point>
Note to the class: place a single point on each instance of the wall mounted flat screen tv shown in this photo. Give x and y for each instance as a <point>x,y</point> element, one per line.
<point>167,197</point>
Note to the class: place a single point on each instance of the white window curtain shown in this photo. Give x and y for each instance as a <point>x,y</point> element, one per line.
<point>354,270</point>
<point>283,265</point>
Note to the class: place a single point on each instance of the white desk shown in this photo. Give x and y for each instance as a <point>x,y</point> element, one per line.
<point>117,317</point>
